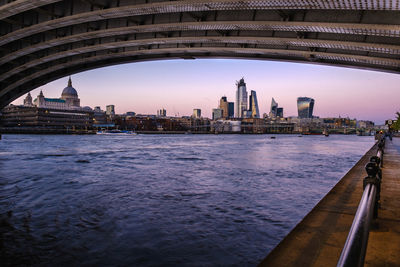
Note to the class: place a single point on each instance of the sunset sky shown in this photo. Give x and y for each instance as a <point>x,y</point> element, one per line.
<point>181,85</point>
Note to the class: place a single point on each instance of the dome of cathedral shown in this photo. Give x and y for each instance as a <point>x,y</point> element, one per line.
<point>69,91</point>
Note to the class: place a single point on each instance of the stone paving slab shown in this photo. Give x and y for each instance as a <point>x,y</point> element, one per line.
<point>319,238</point>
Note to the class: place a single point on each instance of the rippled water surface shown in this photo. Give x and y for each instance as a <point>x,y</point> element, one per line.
<point>145,200</point>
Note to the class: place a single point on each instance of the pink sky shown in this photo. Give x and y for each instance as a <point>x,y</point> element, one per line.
<point>181,85</point>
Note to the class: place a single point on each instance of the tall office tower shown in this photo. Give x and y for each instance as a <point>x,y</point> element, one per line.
<point>110,110</point>
<point>254,105</point>
<point>196,113</point>
<point>231,109</point>
<point>305,106</point>
<point>241,98</point>
<point>279,112</point>
<point>223,104</point>
<point>274,108</point>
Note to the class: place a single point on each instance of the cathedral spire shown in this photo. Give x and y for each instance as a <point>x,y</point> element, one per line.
<point>69,82</point>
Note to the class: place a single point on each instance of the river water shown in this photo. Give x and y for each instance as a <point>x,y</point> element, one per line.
<point>161,200</point>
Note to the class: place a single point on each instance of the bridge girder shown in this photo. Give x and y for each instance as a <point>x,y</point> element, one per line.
<point>43,40</point>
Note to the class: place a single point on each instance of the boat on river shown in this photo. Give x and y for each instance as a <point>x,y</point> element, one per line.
<point>116,132</point>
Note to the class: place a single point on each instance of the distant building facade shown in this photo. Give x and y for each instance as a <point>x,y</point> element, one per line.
<point>231,109</point>
<point>130,113</point>
<point>246,114</point>
<point>196,113</point>
<point>279,112</point>
<point>110,110</point>
<point>365,124</point>
<point>161,113</point>
<point>57,114</point>
<point>50,118</point>
<point>274,108</point>
<point>305,107</point>
<point>241,98</point>
<point>254,105</point>
<point>99,116</point>
<point>69,100</point>
<point>223,104</point>
<point>217,113</point>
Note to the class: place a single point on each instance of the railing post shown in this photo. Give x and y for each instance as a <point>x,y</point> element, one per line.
<point>381,145</point>
<point>373,178</point>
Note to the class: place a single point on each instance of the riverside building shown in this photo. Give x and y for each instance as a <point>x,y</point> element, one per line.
<point>58,115</point>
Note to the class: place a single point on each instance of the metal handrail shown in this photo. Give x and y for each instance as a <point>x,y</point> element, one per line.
<point>354,250</point>
<point>353,253</point>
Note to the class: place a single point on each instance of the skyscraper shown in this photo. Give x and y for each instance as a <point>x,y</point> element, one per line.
<point>241,98</point>
<point>274,108</point>
<point>305,106</point>
<point>196,113</point>
<point>223,104</point>
<point>231,109</point>
<point>279,112</point>
<point>254,105</point>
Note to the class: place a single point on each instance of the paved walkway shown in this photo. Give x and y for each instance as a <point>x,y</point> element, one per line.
<point>319,238</point>
<point>384,242</point>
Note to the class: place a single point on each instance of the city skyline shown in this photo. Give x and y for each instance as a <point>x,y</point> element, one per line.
<point>180,86</point>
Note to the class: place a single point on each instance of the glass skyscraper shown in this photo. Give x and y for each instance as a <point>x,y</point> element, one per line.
<point>241,98</point>
<point>231,109</point>
<point>279,112</point>
<point>274,108</point>
<point>305,106</point>
<point>254,105</point>
<point>196,113</point>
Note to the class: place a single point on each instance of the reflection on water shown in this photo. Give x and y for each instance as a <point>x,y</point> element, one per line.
<point>161,200</point>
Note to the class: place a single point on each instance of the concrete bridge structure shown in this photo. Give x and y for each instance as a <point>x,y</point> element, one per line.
<point>43,40</point>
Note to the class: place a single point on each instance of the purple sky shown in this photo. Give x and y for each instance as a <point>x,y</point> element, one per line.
<point>181,85</point>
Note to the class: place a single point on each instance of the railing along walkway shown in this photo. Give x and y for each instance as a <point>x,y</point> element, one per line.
<point>319,238</point>
<point>353,253</point>
<point>384,238</point>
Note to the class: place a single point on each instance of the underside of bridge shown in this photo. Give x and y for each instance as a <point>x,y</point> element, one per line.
<point>43,40</point>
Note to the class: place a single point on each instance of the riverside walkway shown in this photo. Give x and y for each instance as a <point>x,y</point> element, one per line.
<point>319,238</point>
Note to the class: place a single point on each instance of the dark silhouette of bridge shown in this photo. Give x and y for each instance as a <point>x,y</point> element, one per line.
<point>43,40</point>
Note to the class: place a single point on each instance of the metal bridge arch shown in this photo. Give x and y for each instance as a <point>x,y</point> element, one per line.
<point>43,40</point>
